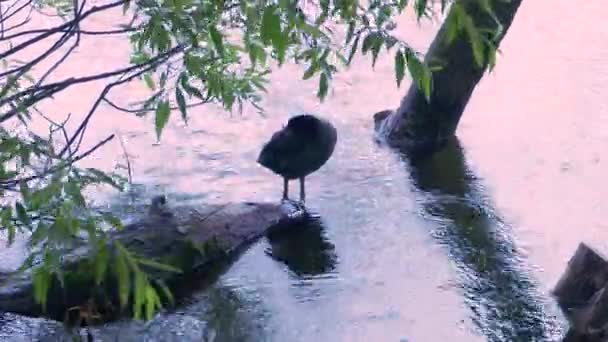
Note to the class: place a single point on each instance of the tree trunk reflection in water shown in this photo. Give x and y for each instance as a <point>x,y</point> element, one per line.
<point>505,302</point>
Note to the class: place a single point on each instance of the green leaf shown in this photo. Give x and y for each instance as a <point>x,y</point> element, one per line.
<point>323,86</point>
<point>72,188</point>
<point>271,24</point>
<point>485,5</point>
<point>228,98</point>
<point>22,214</point>
<point>158,265</point>
<point>390,41</point>
<point>140,293</point>
<point>166,290</point>
<point>376,46</point>
<point>181,103</point>
<point>280,41</point>
<point>271,32</point>
<point>43,196</point>
<point>475,40</point>
<point>193,64</point>
<point>112,220</point>
<point>42,280</point>
<point>492,51</point>
<point>427,82</point>
<point>192,91</point>
<point>454,22</point>
<point>350,32</point>
<point>399,67</point>
<point>251,49</point>
<point>25,153</point>
<point>149,81</point>
<point>420,73</point>
<point>367,42</point>
<point>11,233</point>
<point>163,79</point>
<point>414,65</point>
<point>102,259</point>
<point>162,117</point>
<point>104,178</point>
<point>122,275</point>
<point>216,38</point>
<point>6,214</point>
<point>383,15</point>
<point>25,192</point>
<point>314,66</point>
<point>420,7</point>
<point>152,302</point>
<point>41,232</point>
<point>353,50</point>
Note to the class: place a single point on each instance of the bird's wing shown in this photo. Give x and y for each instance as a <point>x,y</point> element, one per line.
<point>285,143</point>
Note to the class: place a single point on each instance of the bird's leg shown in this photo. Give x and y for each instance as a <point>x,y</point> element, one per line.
<point>285,188</point>
<point>302,192</point>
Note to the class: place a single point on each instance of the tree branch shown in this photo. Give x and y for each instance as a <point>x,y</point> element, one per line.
<point>77,14</point>
<point>150,66</point>
<point>142,110</point>
<point>13,182</point>
<point>59,28</point>
<point>10,15</point>
<point>44,91</point>
<point>82,32</point>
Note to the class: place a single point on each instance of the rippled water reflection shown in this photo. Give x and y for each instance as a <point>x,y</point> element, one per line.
<point>462,247</point>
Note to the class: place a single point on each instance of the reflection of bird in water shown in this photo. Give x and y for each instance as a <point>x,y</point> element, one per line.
<point>304,248</point>
<point>299,149</point>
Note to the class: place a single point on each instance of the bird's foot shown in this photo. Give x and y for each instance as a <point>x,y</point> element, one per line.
<point>296,208</point>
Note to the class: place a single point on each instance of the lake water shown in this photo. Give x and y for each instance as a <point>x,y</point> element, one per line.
<point>465,246</point>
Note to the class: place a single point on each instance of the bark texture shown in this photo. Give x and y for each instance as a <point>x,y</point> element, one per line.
<point>423,127</point>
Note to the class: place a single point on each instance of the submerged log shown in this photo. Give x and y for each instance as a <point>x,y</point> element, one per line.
<point>582,294</point>
<point>188,239</point>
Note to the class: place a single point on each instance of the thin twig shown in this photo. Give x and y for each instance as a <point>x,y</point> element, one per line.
<point>22,69</point>
<point>55,126</point>
<point>16,26</point>
<point>44,91</point>
<point>92,149</point>
<point>18,181</point>
<point>10,15</point>
<point>142,110</point>
<point>124,149</point>
<point>82,32</point>
<point>1,21</point>
<point>151,65</point>
<point>77,14</point>
<point>59,28</point>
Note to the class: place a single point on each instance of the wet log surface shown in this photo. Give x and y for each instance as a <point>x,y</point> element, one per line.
<point>191,239</point>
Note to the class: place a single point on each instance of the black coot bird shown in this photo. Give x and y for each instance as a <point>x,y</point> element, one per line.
<point>299,149</point>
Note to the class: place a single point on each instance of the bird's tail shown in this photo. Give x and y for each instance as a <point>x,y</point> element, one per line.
<point>266,157</point>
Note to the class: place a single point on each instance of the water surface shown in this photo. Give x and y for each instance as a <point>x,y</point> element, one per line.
<point>465,246</point>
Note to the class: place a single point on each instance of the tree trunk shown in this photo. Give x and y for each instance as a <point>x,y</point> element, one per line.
<point>422,127</point>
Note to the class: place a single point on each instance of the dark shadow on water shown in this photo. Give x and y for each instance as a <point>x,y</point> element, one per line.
<point>304,248</point>
<point>505,302</point>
